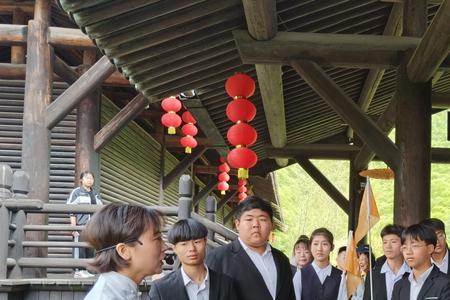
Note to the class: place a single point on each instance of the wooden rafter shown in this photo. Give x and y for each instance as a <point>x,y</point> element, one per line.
<point>324,183</point>
<point>211,170</point>
<point>344,106</point>
<point>87,82</point>
<point>209,187</point>
<point>262,23</point>
<point>327,49</point>
<point>313,151</point>
<point>373,79</point>
<point>119,121</point>
<point>433,48</point>
<point>226,198</point>
<point>206,124</point>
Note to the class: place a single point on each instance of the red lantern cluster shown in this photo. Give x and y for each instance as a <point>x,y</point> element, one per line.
<point>242,189</point>
<point>241,111</point>
<point>223,177</point>
<point>189,131</point>
<point>170,119</point>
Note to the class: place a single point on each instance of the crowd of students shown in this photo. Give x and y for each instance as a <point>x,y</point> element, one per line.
<point>129,247</point>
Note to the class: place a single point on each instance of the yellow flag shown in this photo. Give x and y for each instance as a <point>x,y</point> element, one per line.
<point>351,266</point>
<point>368,213</point>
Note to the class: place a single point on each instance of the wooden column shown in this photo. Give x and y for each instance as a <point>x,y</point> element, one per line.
<point>413,131</point>
<point>355,195</point>
<point>18,52</point>
<point>88,123</point>
<point>36,136</point>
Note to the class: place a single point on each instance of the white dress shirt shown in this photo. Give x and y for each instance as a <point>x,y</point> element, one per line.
<point>417,283</point>
<point>265,265</point>
<point>114,286</point>
<point>443,267</point>
<point>391,278</point>
<point>321,273</point>
<point>195,291</point>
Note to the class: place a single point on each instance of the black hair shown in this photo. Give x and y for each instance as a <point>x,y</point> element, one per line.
<point>342,249</point>
<point>434,223</point>
<point>392,229</point>
<point>186,230</point>
<point>302,239</point>
<point>84,173</point>
<point>420,232</point>
<point>323,232</point>
<point>253,202</point>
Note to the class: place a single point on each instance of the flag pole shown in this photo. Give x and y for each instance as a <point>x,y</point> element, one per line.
<point>369,236</point>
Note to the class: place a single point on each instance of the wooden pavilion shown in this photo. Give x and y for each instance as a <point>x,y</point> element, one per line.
<point>334,77</point>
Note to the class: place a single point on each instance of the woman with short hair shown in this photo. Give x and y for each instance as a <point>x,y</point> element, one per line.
<point>129,247</point>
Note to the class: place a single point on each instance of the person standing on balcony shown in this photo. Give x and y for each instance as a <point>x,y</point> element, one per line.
<point>84,194</point>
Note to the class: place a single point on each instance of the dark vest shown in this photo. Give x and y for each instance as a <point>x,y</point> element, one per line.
<point>312,289</point>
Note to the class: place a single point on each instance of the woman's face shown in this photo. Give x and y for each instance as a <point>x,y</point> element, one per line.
<point>363,261</point>
<point>302,254</point>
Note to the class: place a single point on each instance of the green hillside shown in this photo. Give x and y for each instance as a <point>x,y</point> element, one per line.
<point>306,206</point>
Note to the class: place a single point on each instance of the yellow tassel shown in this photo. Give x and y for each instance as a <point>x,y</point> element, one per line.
<point>242,173</point>
<point>222,192</point>
<point>172,130</point>
<point>188,150</point>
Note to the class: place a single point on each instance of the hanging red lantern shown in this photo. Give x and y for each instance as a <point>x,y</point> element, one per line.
<point>242,134</point>
<point>242,182</point>
<point>243,159</point>
<point>242,189</point>
<point>223,186</point>
<point>224,167</point>
<point>189,130</point>
<point>223,176</point>
<point>170,119</point>
<point>242,196</point>
<point>189,143</point>
<point>241,110</point>
<point>240,85</point>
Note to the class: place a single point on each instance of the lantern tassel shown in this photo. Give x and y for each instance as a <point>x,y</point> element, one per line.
<point>188,150</point>
<point>171,130</point>
<point>222,192</point>
<point>242,173</point>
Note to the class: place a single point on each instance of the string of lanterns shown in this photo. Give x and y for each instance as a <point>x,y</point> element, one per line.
<point>190,131</point>
<point>223,177</point>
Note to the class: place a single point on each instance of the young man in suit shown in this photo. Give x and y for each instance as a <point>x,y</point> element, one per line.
<point>318,280</point>
<point>440,255</point>
<point>260,271</point>
<point>425,280</point>
<point>194,280</point>
<point>393,269</point>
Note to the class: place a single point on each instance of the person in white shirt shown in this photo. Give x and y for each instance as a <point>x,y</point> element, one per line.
<point>440,254</point>
<point>129,247</point>
<point>425,280</point>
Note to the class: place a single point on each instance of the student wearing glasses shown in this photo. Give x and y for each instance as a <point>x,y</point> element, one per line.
<point>425,280</point>
<point>129,247</point>
<point>440,254</point>
<point>194,280</point>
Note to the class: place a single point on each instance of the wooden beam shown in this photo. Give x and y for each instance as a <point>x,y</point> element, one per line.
<point>324,183</point>
<point>119,121</point>
<point>440,100</point>
<point>226,198</point>
<point>8,6</point>
<point>87,83</point>
<point>207,125</point>
<point>261,17</point>
<point>209,187</point>
<point>11,35</point>
<point>36,136</point>
<point>373,79</point>
<point>328,49</point>
<point>313,151</point>
<point>433,48</point>
<point>183,165</point>
<point>18,52</point>
<point>348,110</point>
<point>211,170</point>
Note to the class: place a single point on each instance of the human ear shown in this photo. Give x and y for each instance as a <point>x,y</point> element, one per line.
<point>123,251</point>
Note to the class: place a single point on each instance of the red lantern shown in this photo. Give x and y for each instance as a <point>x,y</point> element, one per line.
<point>242,182</point>
<point>170,119</point>
<point>223,176</point>
<point>189,143</point>
<point>223,186</point>
<point>224,167</point>
<point>189,129</point>
<point>240,85</point>
<point>242,196</point>
<point>188,118</point>
<point>243,159</point>
<point>241,110</point>
<point>242,134</point>
<point>242,189</point>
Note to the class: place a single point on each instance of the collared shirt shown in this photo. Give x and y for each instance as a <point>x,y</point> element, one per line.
<point>391,278</point>
<point>114,286</point>
<point>417,283</point>
<point>195,291</point>
<point>265,265</point>
<point>321,273</point>
<point>443,267</point>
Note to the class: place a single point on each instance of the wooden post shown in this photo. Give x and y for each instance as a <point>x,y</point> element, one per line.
<point>185,200</point>
<point>36,136</point>
<point>210,209</point>
<point>18,52</point>
<point>413,131</point>
<point>88,123</point>
<point>355,190</point>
